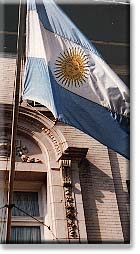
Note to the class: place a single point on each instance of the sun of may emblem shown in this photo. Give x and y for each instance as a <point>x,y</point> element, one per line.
<point>72,67</point>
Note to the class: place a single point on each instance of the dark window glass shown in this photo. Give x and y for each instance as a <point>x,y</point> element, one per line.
<point>26,234</point>
<point>27,201</point>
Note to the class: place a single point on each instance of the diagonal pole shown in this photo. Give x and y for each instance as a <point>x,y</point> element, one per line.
<point>15,115</point>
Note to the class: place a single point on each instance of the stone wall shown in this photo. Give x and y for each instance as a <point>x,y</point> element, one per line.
<point>103,181</point>
<point>99,180</point>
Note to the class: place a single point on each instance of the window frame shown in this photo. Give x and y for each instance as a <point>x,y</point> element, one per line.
<point>26,220</point>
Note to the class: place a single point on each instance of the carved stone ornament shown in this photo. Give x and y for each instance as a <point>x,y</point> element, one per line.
<point>4,146</point>
<point>22,152</point>
<point>71,211</point>
<point>53,139</point>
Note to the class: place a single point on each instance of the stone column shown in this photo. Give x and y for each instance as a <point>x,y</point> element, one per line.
<point>74,209</point>
<point>4,146</point>
<point>4,153</point>
<point>79,203</point>
<point>56,207</point>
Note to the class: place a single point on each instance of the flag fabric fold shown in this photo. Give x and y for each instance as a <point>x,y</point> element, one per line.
<point>65,73</point>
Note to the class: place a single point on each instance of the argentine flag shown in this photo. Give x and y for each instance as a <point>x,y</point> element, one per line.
<point>65,73</point>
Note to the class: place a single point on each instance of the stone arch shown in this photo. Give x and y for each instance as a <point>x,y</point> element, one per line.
<point>41,130</point>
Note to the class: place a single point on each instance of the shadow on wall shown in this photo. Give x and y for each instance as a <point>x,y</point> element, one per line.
<point>92,185</point>
<point>122,196</point>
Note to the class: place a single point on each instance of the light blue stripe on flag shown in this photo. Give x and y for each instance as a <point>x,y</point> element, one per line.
<point>37,83</point>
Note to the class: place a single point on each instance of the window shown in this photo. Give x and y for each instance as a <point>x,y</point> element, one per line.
<point>27,201</point>
<point>24,228</point>
<point>27,234</point>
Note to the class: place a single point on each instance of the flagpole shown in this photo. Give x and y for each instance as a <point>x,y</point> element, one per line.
<point>15,116</point>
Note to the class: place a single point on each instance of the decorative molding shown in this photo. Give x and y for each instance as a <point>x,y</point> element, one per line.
<point>37,123</point>
<point>4,146</point>
<point>74,153</point>
<point>71,154</point>
<point>53,139</point>
<point>71,211</point>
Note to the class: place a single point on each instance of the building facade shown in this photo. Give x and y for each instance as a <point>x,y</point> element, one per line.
<point>68,187</point>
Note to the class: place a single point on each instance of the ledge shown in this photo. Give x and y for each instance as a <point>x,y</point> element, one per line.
<point>74,153</point>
